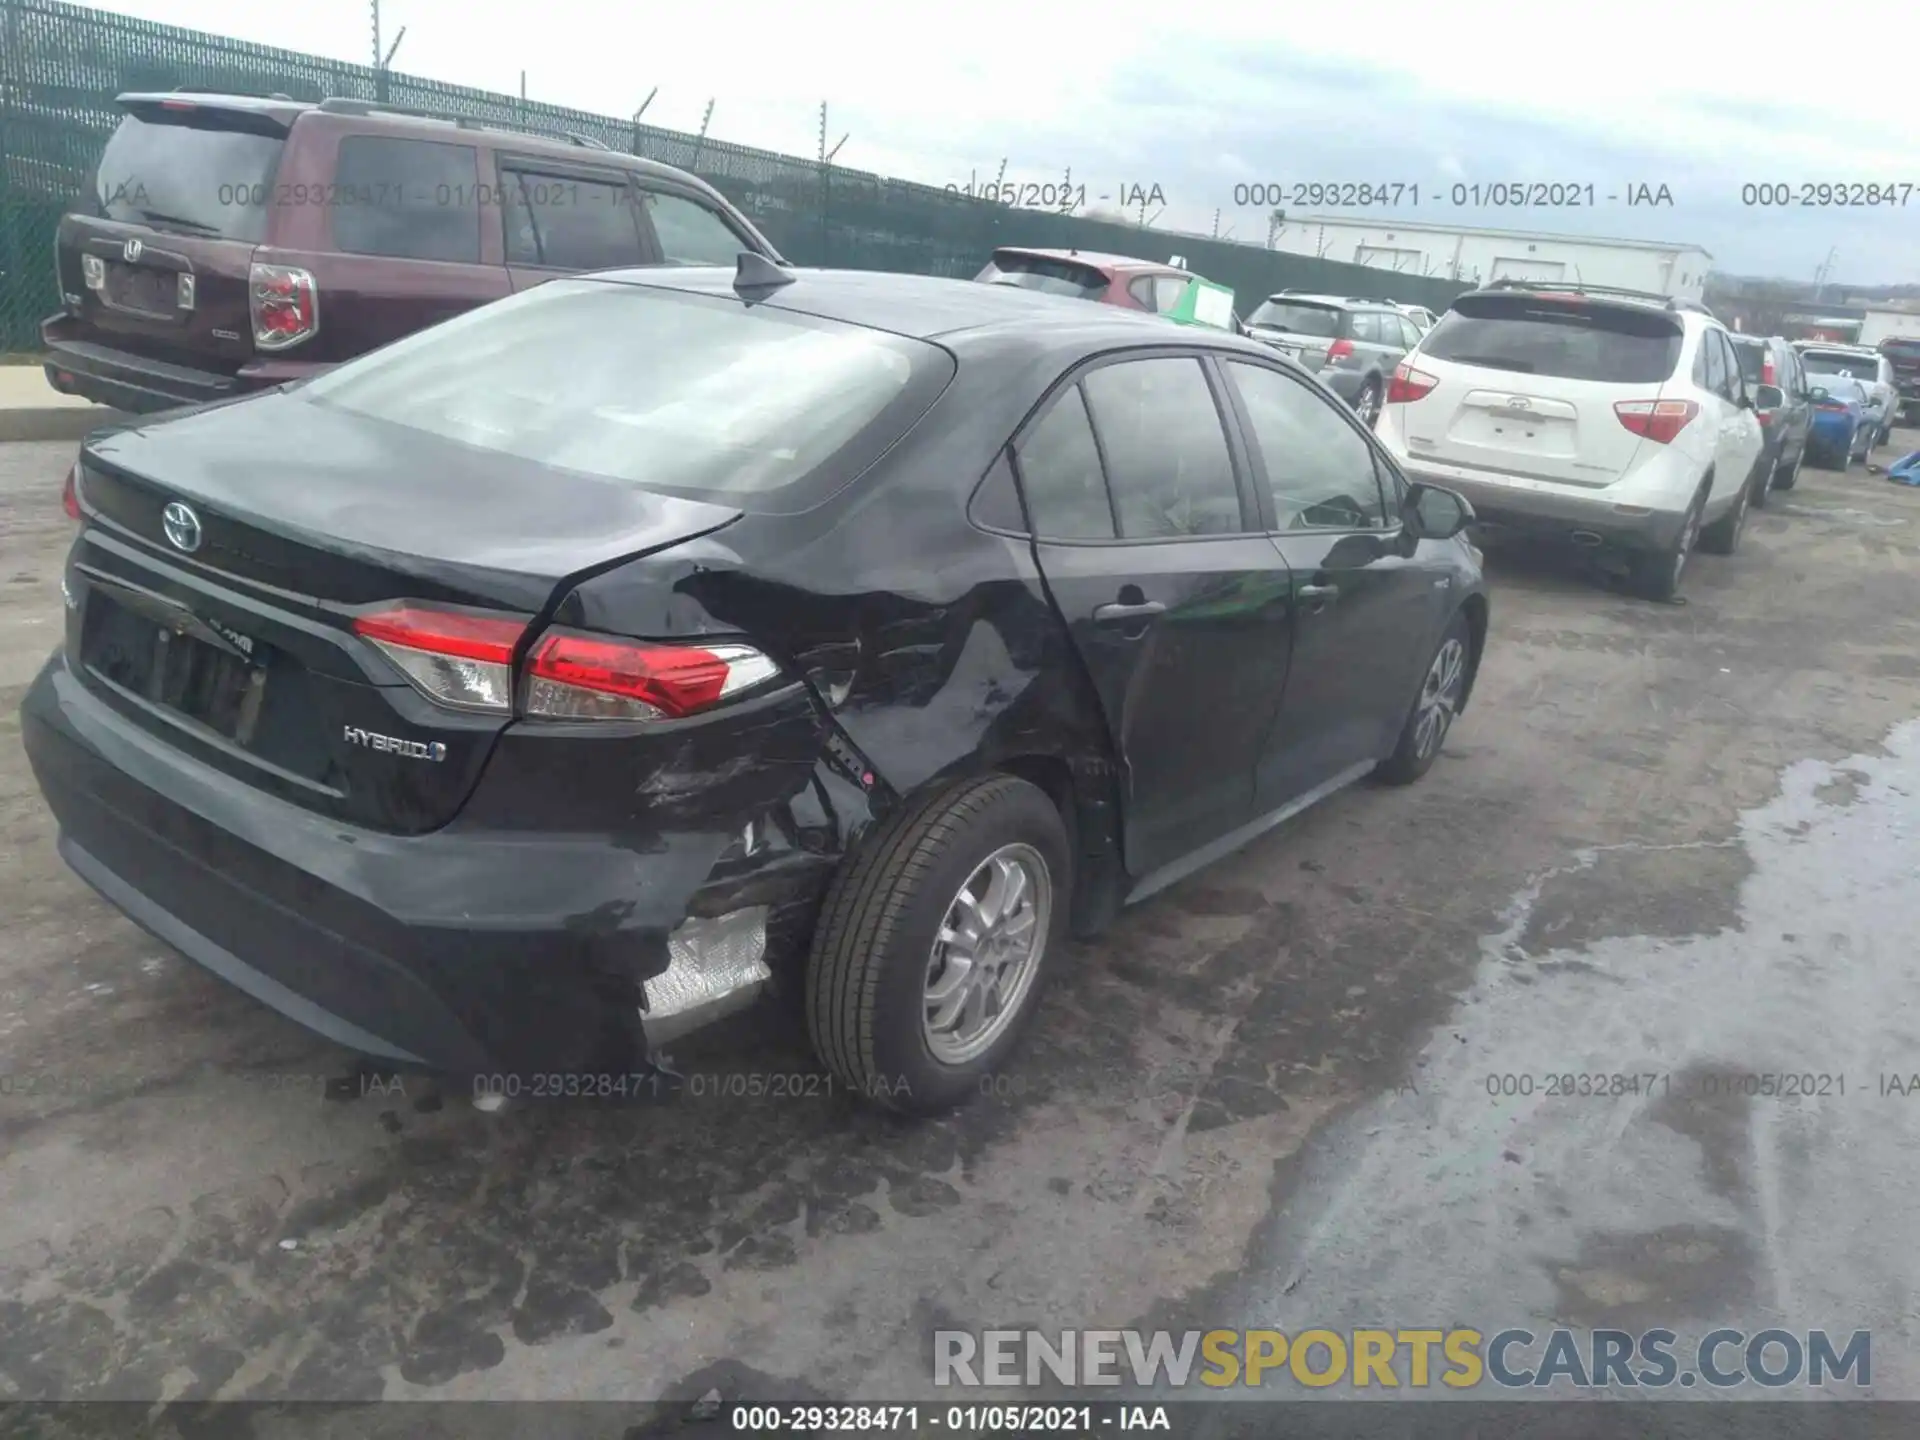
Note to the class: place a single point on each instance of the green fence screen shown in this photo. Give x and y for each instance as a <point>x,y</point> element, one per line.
<point>61,65</point>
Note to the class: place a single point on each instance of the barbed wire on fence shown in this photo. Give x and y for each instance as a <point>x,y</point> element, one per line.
<point>61,66</point>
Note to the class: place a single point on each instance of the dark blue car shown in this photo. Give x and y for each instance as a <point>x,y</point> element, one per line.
<point>1840,433</point>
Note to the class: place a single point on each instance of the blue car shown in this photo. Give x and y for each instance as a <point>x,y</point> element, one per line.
<point>1841,433</point>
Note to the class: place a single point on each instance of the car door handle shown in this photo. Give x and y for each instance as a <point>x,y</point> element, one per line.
<point>1119,614</point>
<point>1318,592</point>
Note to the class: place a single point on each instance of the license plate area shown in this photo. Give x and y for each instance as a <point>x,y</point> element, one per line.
<point>142,290</point>
<point>175,671</point>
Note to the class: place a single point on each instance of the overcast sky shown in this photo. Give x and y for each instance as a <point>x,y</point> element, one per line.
<point>1697,95</point>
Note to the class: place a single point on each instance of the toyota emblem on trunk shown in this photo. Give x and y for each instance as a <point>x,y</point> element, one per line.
<point>182,526</point>
<point>132,251</point>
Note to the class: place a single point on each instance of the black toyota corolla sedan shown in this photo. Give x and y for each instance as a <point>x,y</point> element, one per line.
<point>515,698</point>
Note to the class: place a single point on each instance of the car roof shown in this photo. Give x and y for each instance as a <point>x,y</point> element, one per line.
<point>1342,301</point>
<point>959,314</point>
<point>1098,258</point>
<point>285,111</point>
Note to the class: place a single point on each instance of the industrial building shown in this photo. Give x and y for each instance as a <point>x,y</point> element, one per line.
<point>1452,252</point>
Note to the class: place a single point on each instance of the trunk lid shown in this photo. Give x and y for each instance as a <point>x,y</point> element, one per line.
<point>301,519</point>
<point>1527,386</point>
<point>155,257</point>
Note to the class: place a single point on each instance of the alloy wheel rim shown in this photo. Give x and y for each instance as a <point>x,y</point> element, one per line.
<point>1439,698</point>
<point>1687,537</point>
<point>986,954</point>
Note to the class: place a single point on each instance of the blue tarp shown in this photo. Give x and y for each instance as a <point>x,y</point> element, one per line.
<point>1905,471</point>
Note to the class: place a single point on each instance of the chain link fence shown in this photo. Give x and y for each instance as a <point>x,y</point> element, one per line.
<point>61,66</point>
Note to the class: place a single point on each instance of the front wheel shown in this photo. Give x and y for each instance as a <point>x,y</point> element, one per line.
<point>1427,724</point>
<point>932,944</point>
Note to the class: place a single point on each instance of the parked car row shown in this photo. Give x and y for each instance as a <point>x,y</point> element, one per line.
<point>555,678</point>
<point>1630,425</point>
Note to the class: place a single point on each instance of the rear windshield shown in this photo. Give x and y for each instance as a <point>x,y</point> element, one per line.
<point>1753,358</point>
<point>1900,349</point>
<point>1825,362</point>
<point>194,173</point>
<point>1071,278</point>
<point>683,394</point>
<point>1610,344</point>
<point>1298,319</point>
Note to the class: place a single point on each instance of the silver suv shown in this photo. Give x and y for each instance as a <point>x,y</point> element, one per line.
<point>1351,344</point>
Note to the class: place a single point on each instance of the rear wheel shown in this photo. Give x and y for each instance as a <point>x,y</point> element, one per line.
<point>1657,574</point>
<point>1433,710</point>
<point>932,944</point>
<point>1785,477</point>
<point>1367,404</point>
<point>1723,536</point>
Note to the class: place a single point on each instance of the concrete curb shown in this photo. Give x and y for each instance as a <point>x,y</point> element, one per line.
<point>55,422</point>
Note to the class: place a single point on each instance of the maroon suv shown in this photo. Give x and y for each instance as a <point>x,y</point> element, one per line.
<point>231,243</point>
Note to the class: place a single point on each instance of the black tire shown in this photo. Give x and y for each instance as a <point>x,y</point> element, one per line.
<point>874,946</point>
<point>1658,573</point>
<point>1367,403</point>
<point>1441,686</point>
<point>1722,537</point>
<point>1788,478</point>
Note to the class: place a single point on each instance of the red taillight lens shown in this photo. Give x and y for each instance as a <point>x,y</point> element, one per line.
<point>454,659</point>
<point>1656,420</point>
<point>581,677</point>
<point>1831,408</point>
<point>1339,350</point>
<point>1408,384</point>
<point>70,493</point>
<point>285,305</point>
<point>1766,371</point>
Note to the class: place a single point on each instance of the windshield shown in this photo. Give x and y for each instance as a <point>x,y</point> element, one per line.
<point>667,391</point>
<point>1824,362</point>
<point>1297,318</point>
<point>1839,388</point>
<point>195,173</point>
<point>1608,343</point>
<point>1071,278</point>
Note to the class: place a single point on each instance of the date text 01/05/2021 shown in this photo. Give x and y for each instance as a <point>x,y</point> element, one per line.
<point>1697,1085</point>
<point>1461,195</point>
<point>1065,195</point>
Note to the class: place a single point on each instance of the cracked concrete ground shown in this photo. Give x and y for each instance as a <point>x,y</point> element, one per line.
<point>1211,1123</point>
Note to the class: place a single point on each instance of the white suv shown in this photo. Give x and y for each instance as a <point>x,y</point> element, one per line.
<point>1857,362</point>
<point>1616,420</point>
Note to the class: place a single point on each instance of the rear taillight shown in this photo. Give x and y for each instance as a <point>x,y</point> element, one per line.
<point>580,677</point>
<point>70,493</point>
<point>1408,384</point>
<point>1656,420</point>
<point>1339,350</point>
<point>465,662</point>
<point>285,306</point>
<point>462,661</point>
<point>1766,371</point>
<point>1830,408</point>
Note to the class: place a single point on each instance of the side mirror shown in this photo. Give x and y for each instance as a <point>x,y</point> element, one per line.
<point>1768,397</point>
<point>1435,513</point>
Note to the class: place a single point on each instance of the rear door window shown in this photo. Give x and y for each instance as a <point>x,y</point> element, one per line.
<point>408,199</point>
<point>1752,358</point>
<point>567,222</point>
<point>1060,474</point>
<point>203,171</point>
<point>690,233</point>
<point>1610,344</point>
<point>1166,449</point>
